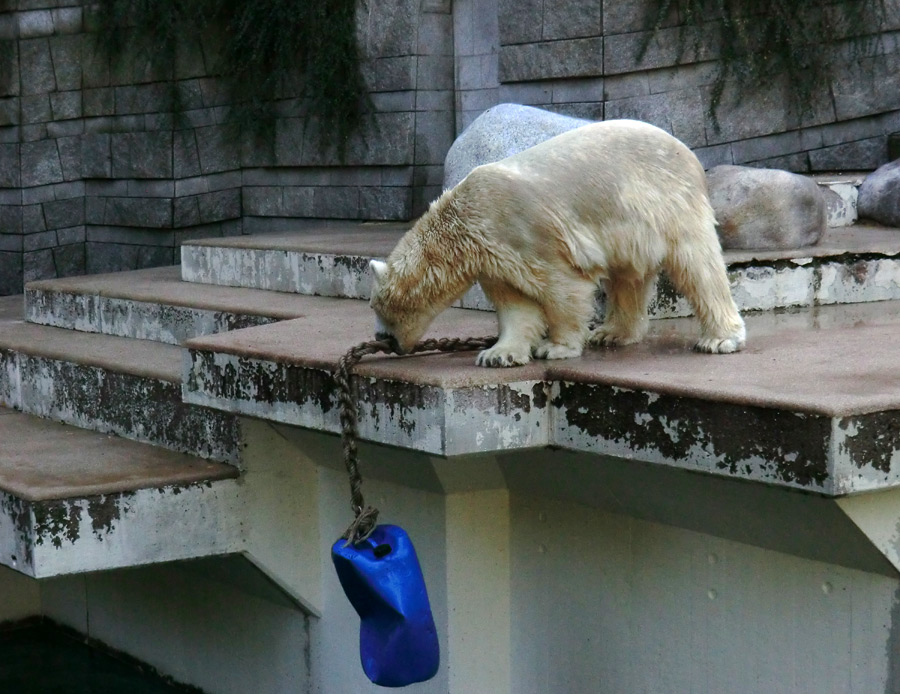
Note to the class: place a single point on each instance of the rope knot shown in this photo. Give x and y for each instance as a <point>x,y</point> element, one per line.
<point>366,517</point>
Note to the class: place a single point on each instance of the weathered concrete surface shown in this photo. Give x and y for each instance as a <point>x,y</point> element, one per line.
<point>301,263</point>
<point>153,304</point>
<point>849,264</point>
<point>841,197</point>
<point>11,307</point>
<point>74,501</point>
<point>110,384</point>
<point>449,410</point>
<point>795,408</point>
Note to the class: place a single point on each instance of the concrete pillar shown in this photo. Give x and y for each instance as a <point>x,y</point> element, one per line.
<point>478,591</point>
<point>282,528</point>
<point>21,596</point>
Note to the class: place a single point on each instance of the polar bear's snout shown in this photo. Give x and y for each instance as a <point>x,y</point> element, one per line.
<point>390,339</point>
<point>383,333</point>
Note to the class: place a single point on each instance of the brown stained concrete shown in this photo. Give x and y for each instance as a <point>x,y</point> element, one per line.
<point>353,238</point>
<point>42,460</point>
<point>164,286</point>
<point>835,360</point>
<point>116,354</point>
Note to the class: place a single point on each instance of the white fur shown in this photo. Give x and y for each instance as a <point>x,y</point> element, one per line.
<point>611,203</point>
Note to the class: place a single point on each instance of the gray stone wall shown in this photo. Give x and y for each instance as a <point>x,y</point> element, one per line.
<point>97,174</point>
<point>581,58</point>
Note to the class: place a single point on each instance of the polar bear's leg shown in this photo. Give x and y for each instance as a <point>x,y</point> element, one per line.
<point>522,325</point>
<point>568,311</point>
<point>698,271</point>
<point>626,311</point>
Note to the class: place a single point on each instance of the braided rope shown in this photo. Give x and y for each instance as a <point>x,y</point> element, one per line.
<point>367,516</point>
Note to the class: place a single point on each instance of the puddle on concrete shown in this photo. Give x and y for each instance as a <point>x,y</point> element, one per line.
<point>45,659</point>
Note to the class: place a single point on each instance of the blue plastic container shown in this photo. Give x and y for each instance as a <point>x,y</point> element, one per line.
<point>381,576</point>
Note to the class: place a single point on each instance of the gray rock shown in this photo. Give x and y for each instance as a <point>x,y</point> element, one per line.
<point>879,195</point>
<point>766,208</point>
<point>500,132</point>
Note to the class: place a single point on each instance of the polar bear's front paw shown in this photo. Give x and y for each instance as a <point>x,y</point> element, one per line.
<point>554,350</point>
<point>720,345</point>
<point>503,355</point>
<point>611,337</point>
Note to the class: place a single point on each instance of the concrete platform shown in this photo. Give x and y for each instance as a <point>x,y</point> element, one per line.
<point>813,402</point>
<point>152,304</point>
<point>858,263</point>
<point>73,500</point>
<point>109,384</point>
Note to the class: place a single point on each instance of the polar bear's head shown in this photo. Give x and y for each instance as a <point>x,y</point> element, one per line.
<point>399,317</point>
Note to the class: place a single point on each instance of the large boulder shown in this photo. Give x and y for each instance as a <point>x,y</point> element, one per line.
<point>762,209</point>
<point>500,132</point>
<point>879,195</point>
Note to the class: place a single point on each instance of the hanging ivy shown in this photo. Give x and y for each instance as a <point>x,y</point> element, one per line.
<point>757,40</point>
<point>262,51</point>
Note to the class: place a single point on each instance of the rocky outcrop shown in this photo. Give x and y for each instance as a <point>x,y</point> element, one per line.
<point>879,195</point>
<point>766,208</point>
<point>500,132</point>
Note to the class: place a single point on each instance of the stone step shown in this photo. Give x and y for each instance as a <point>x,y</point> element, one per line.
<point>73,501</point>
<point>850,265</point>
<point>128,387</point>
<point>153,304</point>
<point>812,403</point>
<point>842,194</point>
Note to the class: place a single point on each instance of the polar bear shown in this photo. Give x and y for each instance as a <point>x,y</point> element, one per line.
<point>612,202</point>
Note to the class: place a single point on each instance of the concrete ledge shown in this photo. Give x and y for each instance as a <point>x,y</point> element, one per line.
<point>152,305</point>
<point>794,409</point>
<point>73,501</point>
<point>127,387</point>
<point>851,264</point>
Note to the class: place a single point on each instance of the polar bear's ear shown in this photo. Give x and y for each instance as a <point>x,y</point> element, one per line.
<point>379,269</point>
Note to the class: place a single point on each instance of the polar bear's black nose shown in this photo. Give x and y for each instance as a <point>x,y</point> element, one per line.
<point>390,339</point>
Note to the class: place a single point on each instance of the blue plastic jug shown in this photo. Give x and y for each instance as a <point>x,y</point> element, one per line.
<point>381,576</point>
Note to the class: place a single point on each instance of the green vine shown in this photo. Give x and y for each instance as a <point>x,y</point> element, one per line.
<point>761,39</point>
<point>263,52</point>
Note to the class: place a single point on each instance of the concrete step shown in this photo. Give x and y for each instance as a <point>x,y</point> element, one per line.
<point>73,501</point>
<point>812,403</point>
<point>841,195</point>
<point>153,304</point>
<point>128,387</point>
<point>850,265</point>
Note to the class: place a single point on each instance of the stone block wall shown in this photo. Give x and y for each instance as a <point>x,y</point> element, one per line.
<point>581,58</point>
<point>98,174</point>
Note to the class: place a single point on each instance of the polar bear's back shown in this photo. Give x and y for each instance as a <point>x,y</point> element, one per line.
<point>610,155</point>
<point>601,189</point>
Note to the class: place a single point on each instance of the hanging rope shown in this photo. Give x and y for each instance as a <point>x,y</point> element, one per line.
<point>367,516</point>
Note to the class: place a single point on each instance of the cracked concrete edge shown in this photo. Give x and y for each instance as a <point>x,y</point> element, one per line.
<point>132,406</point>
<point>775,446</point>
<point>430,419</point>
<point>159,322</point>
<point>43,539</point>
